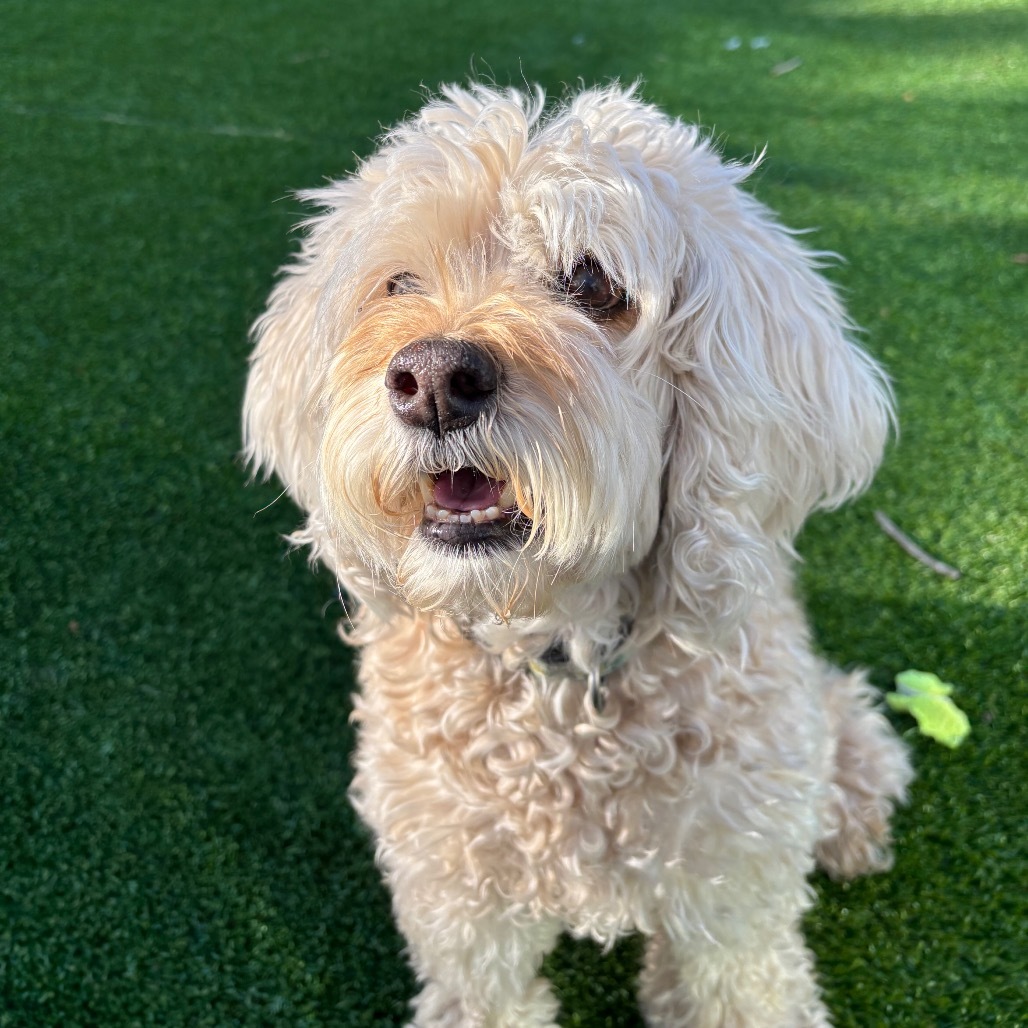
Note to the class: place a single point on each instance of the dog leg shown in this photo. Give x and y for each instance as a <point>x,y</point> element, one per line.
<point>479,969</point>
<point>871,774</point>
<point>700,983</point>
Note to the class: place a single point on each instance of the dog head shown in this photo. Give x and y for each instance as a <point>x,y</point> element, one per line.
<point>521,353</point>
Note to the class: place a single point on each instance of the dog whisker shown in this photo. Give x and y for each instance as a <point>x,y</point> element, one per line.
<point>268,506</point>
<point>691,397</point>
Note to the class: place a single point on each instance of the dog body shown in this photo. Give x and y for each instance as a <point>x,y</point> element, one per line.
<point>556,396</point>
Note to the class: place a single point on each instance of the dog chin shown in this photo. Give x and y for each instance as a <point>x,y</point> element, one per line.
<point>475,571</point>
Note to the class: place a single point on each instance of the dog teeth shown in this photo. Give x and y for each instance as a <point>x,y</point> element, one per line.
<point>477,517</point>
<point>433,512</point>
<point>514,499</point>
<point>508,498</point>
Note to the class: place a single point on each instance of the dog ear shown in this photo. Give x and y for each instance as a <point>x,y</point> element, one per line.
<point>777,411</point>
<point>281,431</point>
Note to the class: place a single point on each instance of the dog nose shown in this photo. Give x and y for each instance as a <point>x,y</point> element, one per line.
<point>441,384</point>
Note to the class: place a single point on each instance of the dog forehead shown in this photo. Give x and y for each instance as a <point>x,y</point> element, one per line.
<point>596,174</point>
<point>598,178</point>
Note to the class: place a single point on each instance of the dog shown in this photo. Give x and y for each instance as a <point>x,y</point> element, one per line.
<point>556,395</point>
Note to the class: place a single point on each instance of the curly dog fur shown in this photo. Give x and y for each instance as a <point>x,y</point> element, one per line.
<point>556,396</point>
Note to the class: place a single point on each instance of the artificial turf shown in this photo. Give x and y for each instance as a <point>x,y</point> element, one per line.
<point>175,843</point>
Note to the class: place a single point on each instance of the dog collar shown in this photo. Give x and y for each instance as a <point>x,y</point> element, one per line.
<point>555,662</point>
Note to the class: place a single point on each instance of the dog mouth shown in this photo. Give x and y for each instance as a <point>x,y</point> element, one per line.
<point>467,506</point>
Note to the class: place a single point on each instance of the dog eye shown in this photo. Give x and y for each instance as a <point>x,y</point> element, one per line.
<point>403,283</point>
<point>589,286</point>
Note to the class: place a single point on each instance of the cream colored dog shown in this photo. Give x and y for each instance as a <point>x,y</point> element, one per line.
<point>556,396</point>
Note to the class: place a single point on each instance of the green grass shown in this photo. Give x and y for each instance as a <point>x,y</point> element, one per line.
<point>175,844</point>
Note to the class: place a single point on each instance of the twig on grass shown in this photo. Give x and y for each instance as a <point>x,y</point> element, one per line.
<point>909,546</point>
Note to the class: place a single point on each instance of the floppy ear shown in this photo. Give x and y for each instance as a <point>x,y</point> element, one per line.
<point>281,422</point>
<point>777,411</point>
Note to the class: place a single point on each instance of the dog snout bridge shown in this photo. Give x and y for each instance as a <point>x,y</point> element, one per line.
<point>441,384</point>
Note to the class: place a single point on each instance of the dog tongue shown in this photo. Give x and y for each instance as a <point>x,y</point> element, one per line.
<point>467,489</point>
